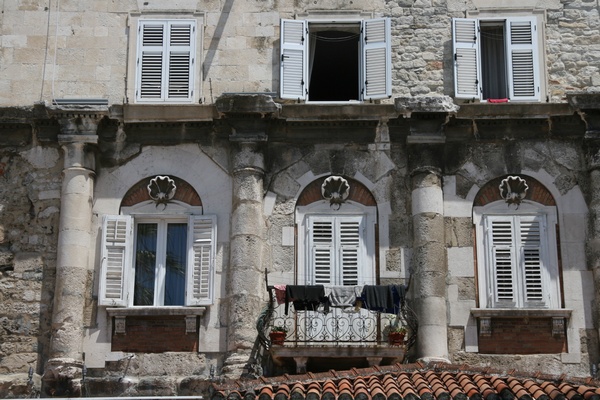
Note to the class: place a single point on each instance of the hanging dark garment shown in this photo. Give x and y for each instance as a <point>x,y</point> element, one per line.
<point>306,297</point>
<point>386,298</point>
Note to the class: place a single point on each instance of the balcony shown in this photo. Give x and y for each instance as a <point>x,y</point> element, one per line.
<point>326,336</point>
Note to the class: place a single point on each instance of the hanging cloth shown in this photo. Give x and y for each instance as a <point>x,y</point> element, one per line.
<point>343,296</point>
<point>386,298</point>
<point>306,297</point>
<point>279,293</point>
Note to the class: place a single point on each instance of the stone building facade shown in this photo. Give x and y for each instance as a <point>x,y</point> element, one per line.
<point>165,164</point>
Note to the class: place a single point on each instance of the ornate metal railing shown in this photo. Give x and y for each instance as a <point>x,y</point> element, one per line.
<point>337,326</point>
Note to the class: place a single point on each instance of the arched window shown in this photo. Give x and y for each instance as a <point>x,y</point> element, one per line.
<point>336,240</point>
<point>517,257</point>
<point>160,250</point>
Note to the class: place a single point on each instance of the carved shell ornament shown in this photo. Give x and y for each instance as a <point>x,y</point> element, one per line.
<point>335,189</point>
<point>161,189</point>
<point>513,190</point>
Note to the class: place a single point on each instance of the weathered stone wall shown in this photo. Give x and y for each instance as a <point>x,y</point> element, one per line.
<point>87,49</point>
<point>30,180</point>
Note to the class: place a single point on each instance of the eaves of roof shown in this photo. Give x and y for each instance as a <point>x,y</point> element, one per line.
<point>419,381</point>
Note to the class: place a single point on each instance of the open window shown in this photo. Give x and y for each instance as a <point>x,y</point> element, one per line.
<point>335,61</point>
<point>496,59</point>
<point>155,260</point>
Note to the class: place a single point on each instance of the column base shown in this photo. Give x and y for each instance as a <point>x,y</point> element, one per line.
<point>63,377</point>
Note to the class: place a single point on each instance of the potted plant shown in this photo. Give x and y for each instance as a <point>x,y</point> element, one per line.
<point>396,335</point>
<point>277,334</point>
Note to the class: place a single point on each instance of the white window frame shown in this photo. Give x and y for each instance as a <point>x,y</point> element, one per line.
<point>117,269</point>
<point>349,211</point>
<point>486,273</point>
<point>523,66</point>
<point>136,22</point>
<point>375,67</point>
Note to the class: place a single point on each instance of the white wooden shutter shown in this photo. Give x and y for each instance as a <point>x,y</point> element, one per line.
<point>321,245</point>
<point>467,69</point>
<point>501,239</point>
<point>293,78</point>
<point>117,239</point>
<point>350,250</point>
<point>166,59</point>
<point>523,64</point>
<point>530,242</point>
<point>180,48</point>
<point>150,60</point>
<point>202,237</point>
<point>376,63</point>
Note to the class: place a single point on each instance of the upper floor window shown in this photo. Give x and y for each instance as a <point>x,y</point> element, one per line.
<point>496,59</point>
<point>335,61</point>
<point>166,61</point>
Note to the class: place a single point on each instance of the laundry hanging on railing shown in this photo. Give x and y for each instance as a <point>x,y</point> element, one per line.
<point>306,297</point>
<point>343,296</point>
<point>386,299</point>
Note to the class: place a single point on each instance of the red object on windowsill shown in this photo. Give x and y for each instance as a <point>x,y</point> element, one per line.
<point>497,100</point>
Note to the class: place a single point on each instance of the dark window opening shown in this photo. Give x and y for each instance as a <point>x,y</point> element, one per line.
<point>334,65</point>
<point>493,61</point>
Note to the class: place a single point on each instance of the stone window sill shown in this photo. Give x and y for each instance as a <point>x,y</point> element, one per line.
<point>485,315</point>
<point>120,314</point>
<point>521,313</point>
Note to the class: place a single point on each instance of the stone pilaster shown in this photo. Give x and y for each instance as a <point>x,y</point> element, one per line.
<point>73,275</point>
<point>429,266</point>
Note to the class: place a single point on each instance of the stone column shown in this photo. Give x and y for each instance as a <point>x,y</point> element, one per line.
<point>429,266</point>
<point>73,276</point>
<point>246,117</point>
<point>593,242</point>
<point>246,287</point>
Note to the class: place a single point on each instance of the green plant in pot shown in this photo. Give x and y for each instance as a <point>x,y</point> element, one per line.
<point>277,334</point>
<point>397,335</point>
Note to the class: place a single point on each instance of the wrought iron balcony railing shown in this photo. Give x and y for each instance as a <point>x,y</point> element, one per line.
<point>350,327</point>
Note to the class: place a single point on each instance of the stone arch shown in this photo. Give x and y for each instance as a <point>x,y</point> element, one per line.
<point>359,193</point>
<point>537,192</point>
<point>138,193</point>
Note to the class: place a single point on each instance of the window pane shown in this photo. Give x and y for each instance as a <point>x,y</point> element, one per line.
<point>175,264</point>
<point>493,62</point>
<point>145,264</point>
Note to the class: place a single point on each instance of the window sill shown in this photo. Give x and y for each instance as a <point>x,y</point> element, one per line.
<point>521,313</point>
<point>485,315</point>
<point>155,311</point>
<point>191,315</point>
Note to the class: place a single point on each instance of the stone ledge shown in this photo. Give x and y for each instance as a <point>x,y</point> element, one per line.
<point>521,313</point>
<point>154,311</point>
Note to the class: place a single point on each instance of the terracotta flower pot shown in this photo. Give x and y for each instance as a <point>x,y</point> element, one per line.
<point>396,338</point>
<point>277,337</point>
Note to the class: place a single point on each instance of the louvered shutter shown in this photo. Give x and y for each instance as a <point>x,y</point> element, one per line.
<point>117,238</point>
<point>321,244</point>
<point>530,241</point>
<point>350,250</point>
<point>151,60</point>
<point>376,63</point>
<point>502,243</point>
<point>293,79</point>
<point>467,70</point>
<point>165,62</point>
<point>180,49</point>
<point>523,64</point>
<point>202,237</point>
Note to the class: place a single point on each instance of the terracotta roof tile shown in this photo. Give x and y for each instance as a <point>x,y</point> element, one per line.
<point>412,382</point>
